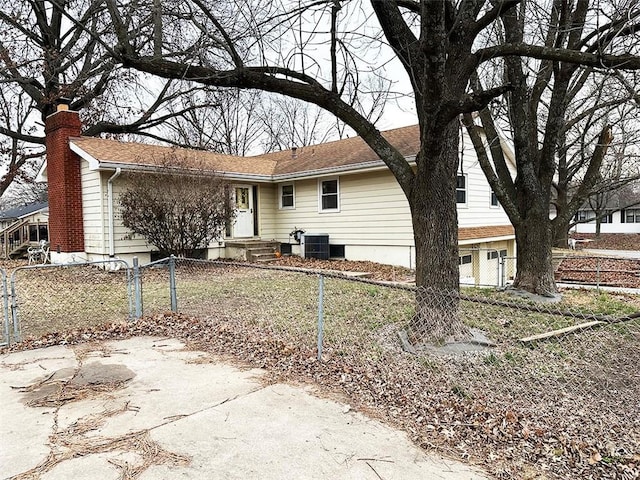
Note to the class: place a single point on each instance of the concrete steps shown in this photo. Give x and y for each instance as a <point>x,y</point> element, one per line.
<point>252,250</point>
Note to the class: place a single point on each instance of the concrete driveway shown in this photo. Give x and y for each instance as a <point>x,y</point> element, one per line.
<point>146,408</point>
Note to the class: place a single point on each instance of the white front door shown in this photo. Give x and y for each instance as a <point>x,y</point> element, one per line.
<point>243,226</point>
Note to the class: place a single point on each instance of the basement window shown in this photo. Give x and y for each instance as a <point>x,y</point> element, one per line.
<point>336,251</point>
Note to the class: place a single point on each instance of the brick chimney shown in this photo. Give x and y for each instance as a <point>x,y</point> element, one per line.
<point>66,232</point>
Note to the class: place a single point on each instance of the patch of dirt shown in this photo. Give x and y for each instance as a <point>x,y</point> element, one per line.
<point>613,272</point>
<point>377,271</point>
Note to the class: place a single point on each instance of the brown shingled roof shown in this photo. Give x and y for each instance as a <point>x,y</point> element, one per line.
<point>114,151</point>
<point>472,233</point>
<point>340,153</point>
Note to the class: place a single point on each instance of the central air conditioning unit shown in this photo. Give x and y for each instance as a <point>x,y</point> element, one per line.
<point>315,245</point>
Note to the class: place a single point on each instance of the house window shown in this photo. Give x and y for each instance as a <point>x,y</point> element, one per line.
<point>461,189</point>
<point>583,216</point>
<point>464,259</point>
<point>607,218</point>
<point>494,254</point>
<point>632,215</point>
<point>494,199</point>
<point>287,196</point>
<point>329,195</point>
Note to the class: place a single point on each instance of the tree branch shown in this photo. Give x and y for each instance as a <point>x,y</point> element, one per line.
<point>606,61</point>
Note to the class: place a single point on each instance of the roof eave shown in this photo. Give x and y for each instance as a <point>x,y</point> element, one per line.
<point>137,167</point>
<point>487,239</point>
<point>374,165</point>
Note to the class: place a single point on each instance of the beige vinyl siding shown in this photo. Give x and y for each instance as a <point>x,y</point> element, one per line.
<point>373,211</point>
<point>92,208</point>
<point>268,211</point>
<point>125,241</point>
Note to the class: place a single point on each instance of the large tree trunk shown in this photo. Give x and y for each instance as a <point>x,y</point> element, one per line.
<point>435,229</point>
<point>560,231</point>
<point>533,243</point>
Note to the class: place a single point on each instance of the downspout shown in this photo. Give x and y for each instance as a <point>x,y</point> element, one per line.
<point>112,247</point>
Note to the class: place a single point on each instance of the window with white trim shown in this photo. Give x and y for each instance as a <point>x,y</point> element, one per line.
<point>329,195</point>
<point>495,254</point>
<point>461,189</point>
<point>464,259</point>
<point>287,196</point>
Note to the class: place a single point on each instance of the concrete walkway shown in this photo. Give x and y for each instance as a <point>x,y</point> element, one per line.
<point>145,408</point>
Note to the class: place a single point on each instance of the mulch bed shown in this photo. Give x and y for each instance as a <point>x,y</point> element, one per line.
<point>609,241</point>
<point>614,272</point>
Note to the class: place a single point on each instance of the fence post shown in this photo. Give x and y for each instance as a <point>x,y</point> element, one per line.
<point>5,301</point>
<point>598,276</point>
<point>137,288</point>
<point>14,310</point>
<point>172,283</point>
<point>320,314</point>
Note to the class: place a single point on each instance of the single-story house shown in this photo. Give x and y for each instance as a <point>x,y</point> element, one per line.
<point>339,193</point>
<point>22,227</point>
<point>616,220</point>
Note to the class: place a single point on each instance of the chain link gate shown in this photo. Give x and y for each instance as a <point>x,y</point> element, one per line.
<point>53,298</point>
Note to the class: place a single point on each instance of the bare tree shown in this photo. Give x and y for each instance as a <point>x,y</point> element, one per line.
<point>288,122</point>
<point>599,104</point>
<point>177,211</point>
<point>241,122</point>
<point>559,114</point>
<point>231,123</point>
<point>45,56</point>
<point>433,42</point>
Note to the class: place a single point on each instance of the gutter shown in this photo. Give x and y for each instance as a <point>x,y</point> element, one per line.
<point>112,247</point>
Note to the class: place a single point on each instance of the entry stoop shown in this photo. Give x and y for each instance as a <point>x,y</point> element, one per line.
<point>252,250</point>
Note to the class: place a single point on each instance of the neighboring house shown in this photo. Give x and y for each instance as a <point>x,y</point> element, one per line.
<point>340,190</point>
<point>22,227</point>
<point>616,220</point>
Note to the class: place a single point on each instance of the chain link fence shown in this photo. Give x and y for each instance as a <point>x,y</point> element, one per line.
<point>494,268</point>
<point>58,298</point>
<point>597,272</point>
<point>522,386</point>
<point>526,388</point>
